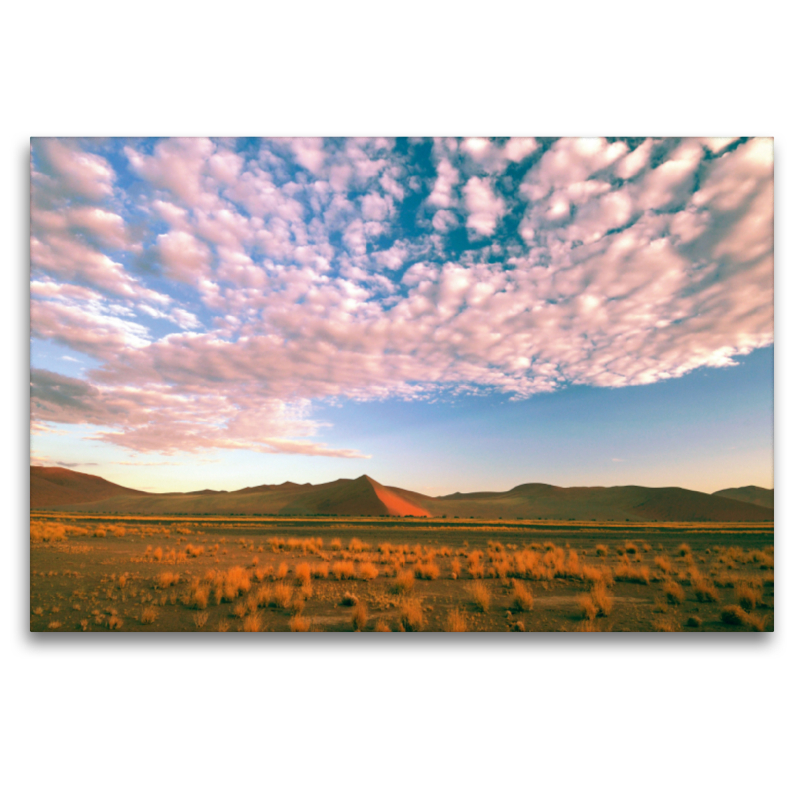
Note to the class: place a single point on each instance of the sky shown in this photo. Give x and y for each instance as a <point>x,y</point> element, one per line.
<point>441,314</point>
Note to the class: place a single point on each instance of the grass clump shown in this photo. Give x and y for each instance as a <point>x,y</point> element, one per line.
<point>479,594</point>
<point>426,571</point>
<point>703,588</point>
<point>456,621</point>
<point>252,623</point>
<point>403,582</point>
<point>299,624</point>
<point>412,617</point>
<point>367,571</point>
<point>343,570</point>
<point>748,595</point>
<point>521,598</point>
<point>359,617</point>
<point>148,615</point>
<point>674,592</point>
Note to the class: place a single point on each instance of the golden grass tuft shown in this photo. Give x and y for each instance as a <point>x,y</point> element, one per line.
<point>456,621</point>
<point>359,617</point>
<point>166,579</point>
<point>336,544</point>
<point>455,566</point>
<point>367,571</point>
<point>602,600</point>
<point>114,623</point>
<point>664,625</point>
<point>200,618</point>
<point>426,571</point>
<point>349,599</point>
<point>148,616</point>
<point>602,550</point>
<point>282,571</point>
<point>299,624</point>
<point>320,570</point>
<point>381,627</point>
<point>281,596</point>
<point>587,607</point>
<point>302,573</point>
<point>734,615</point>
<point>54,625</point>
<point>694,622</point>
<point>674,592</point>
<point>240,610</point>
<point>703,588</point>
<point>252,623</point>
<point>343,570</point>
<point>684,550</point>
<point>479,594</point>
<point>748,595</point>
<point>627,573</point>
<point>402,583</point>
<point>412,617</point>
<point>521,598</point>
<point>357,546</point>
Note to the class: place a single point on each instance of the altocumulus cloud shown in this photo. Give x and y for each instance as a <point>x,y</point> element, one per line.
<point>225,286</point>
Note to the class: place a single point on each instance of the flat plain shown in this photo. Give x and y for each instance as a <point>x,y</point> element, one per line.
<point>251,574</point>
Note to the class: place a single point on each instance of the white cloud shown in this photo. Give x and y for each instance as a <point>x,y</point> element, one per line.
<point>484,207</point>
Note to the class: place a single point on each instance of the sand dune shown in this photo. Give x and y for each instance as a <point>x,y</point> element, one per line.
<point>364,496</point>
<point>750,494</point>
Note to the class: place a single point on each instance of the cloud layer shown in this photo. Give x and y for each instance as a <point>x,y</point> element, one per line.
<point>224,287</point>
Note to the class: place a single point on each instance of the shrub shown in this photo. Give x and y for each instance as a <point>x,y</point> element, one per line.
<point>349,599</point>
<point>674,592</point>
<point>357,546</point>
<point>281,595</point>
<point>282,571</point>
<point>748,596</point>
<point>252,623</point>
<point>694,622</point>
<point>343,570</point>
<point>149,615</point>
<point>336,544</point>
<point>426,571</point>
<point>198,595</point>
<point>320,570</point>
<point>684,550</point>
<point>299,624</point>
<point>626,573</point>
<point>455,566</point>
<point>411,615</point>
<point>602,600</point>
<point>55,625</point>
<point>263,596</point>
<point>403,582</point>
<point>734,615</point>
<point>586,626</point>
<point>200,618</point>
<point>240,610</point>
<point>381,627</point>
<point>663,563</point>
<point>587,607</point>
<point>521,598</point>
<point>302,573</point>
<point>602,550</point>
<point>518,626</point>
<point>664,625</point>
<point>479,594</point>
<point>456,621</point>
<point>631,548</point>
<point>367,571</point>
<point>114,623</point>
<point>166,579</point>
<point>359,617</point>
<point>703,588</point>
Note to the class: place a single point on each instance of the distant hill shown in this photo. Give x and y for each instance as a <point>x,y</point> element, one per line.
<point>56,486</point>
<point>72,491</point>
<point>750,494</point>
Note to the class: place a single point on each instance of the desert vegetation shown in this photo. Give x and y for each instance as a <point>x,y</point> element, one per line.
<point>127,575</point>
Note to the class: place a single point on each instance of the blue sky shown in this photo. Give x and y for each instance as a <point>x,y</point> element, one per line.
<point>449,314</point>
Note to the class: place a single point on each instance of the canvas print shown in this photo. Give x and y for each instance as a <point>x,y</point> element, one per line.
<point>505,384</point>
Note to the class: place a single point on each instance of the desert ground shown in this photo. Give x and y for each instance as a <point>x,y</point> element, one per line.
<point>251,574</point>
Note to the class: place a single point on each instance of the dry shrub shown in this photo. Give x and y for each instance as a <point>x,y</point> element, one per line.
<point>263,596</point>
<point>349,599</point>
<point>627,573</point>
<point>748,595</point>
<point>158,554</point>
<point>587,607</point>
<point>664,564</point>
<point>224,626</point>
<point>359,617</point>
<point>302,573</point>
<point>336,544</point>
<point>200,618</point>
<point>166,579</point>
<point>694,622</point>
<point>343,570</point>
<point>476,571</point>
<point>357,546</point>
<point>114,623</point>
<point>456,621</point>
<point>734,615</point>
<point>684,550</point>
<point>630,547</point>
<point>240,610</point>
<point>664,625</point>
<point>602,600</point>
<point>597,575</point>
<point>122,581</point>
<point>198,595</point>
<point>587,626</point>
<point>412,617</point>
<point>704,589</point>
<point>674,592</point>
<point>149,615</point>
<point>263,572</point>
<point>54,625</point>
<point>252,623</point>
<point>281,596</point>
<point>320,570</point>
<point>232,583</point>
<point>521,598</point>
<point>367,571</point>
<point>282,571</point>
<point>426,571</point>
<point>381,627</point>
<point>403,582</point>
<point>455,566</point>
<point>194,552</point>
<point>47,531</point>
<point>299,624</point>
<point>602,550</point>
<point>479,594</point>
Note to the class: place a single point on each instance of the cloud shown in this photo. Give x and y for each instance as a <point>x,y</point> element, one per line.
<point>299,272</point>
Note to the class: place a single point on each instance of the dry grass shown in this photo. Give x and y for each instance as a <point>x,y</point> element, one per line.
<point>479,594</point>
<point>412,617</point>
<point>587,607</point>
<point>403,583</point>
<point>320,570</point>
<point>198,595</point>
<point>281,596</point>
<point>200,619</point>
<point>357,546</point>
<point>359,617</point>
<point>748,595</point>
<point>521,598</point>
<point>343,570</point>
<point>602,600</point>
<point>166,579</point>
<point>674,592</point>
<point>282,571</point>
<point>240,610</point>
<point>302,573</point>
<point>114,623</point>
<point>336,544</point>
<point>456,621</point>
<point>684,550</point>
<point>602,550</point>
<point>349,599</point>
<point>664,564</point>
<point>455,567</point>
<point>148,615</point>
<point>703,588</point>
<point>299,624</point>
<point>734,615</point>
<point>694,622</point>
<point>427,571</point>
<point>252,623</point>
<point>627,573</point>
<point>665,625</point>
<point>381,627</point>
<point>367,571</point>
